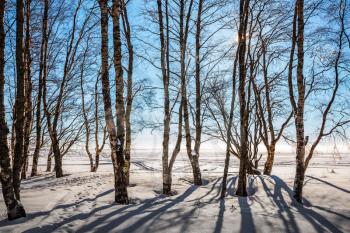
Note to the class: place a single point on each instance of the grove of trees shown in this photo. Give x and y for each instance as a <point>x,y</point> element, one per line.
<point>248,73</point>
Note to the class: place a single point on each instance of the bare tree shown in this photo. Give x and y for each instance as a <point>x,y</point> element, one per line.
<point>244,113</point>
<point>269,97</point>
<point>58,129</point>
<point>121,195</point>
<point>28,92</point>
<point>14,207</point>
<point>129,95</point>
<point>302,157</point>
<point>96,118</point>
<point>42,72</point>
<point>20,99</point>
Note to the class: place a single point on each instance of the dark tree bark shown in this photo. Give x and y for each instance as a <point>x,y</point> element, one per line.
<point>120,182</point>
<point>14,207</point>
<point>121,195</point>
<point>20,99</point>
<point>299,115</point>
<point>244,113</point>
<point>42,72</point>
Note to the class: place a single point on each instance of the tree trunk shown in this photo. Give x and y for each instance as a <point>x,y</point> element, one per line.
<point>166,174</point>
<point>167,182</point>
<point>183,34</point>
<point>25,166</point>
<point>121,195</point>
<point>129,97</point>
<point>49,160</point>
<point>269,160</point>
<point>198,117</point>
<point>14,207</point>
<point>28,93</point>
<point>20,100</point>
<point>244,112</point>
<point>98,149</point>
<point>43,56</point>
<point>299,116</point>
<point>57,155</point>
<point>229,127</point>
<point>197,176</point>
<point>85,115</point>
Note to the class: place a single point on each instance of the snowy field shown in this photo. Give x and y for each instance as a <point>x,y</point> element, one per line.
<point>83,201</point>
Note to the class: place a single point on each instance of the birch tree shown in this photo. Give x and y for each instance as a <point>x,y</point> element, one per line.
<point>20,99</point>
<point>63,135</point>
<point>14,207</point>
<point>28,122</point>
<point>42,73</point>
<point>129,87</point>
<point>244,113</point>
<point>300,98</point>
<point>121,195</point>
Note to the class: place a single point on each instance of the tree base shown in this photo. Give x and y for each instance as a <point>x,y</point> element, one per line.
<point>298,198</point>
<point>167,189</point>
<point>267,173</point>
<point>198,182</point>
<point>16,212</point>
<point>121,200</point>
<point>242,192</point>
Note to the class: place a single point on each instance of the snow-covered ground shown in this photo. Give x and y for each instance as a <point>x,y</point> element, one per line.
<point>83,201</point>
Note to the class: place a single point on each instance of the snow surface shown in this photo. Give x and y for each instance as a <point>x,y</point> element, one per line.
<point>83,201</point>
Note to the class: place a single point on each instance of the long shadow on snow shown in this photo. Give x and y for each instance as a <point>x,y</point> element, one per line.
<point>30,216</point>
<point>143,209</point>
<point>247,222</point>
<point>319,222</point>
<point>330,184</point>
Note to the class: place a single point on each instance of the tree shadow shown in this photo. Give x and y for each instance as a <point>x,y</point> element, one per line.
<point>319,222</point>
<point>277,198</point>
<point>247,221</point>
<point>222,208</point>
<point>143,209</point>
<point>220,218</point>
<point>31,216</point>
<point>330,184</point>
<point>180,212</point>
